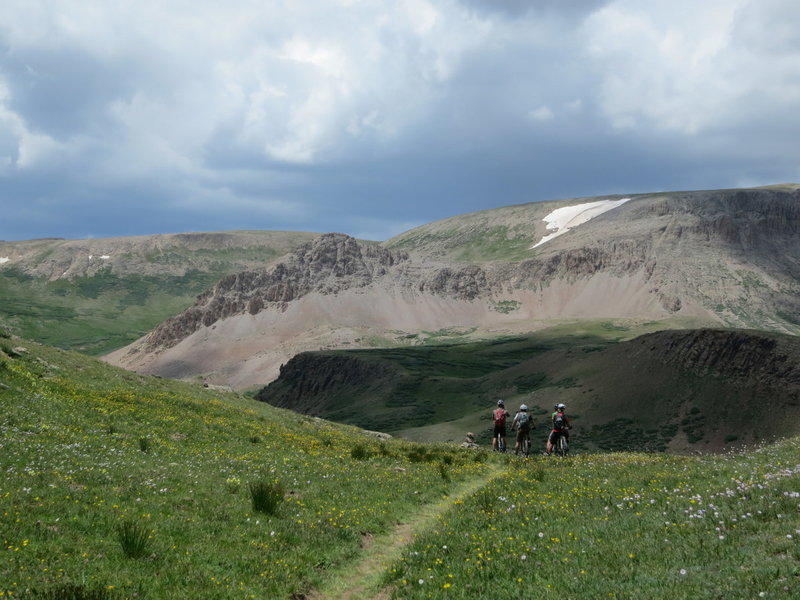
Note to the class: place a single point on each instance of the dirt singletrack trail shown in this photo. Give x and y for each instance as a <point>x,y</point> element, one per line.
<point>363,577</point>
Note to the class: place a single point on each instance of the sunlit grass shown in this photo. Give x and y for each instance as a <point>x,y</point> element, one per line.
<point>74,468</point>
<point>616,525</point>
<point>619,526</point>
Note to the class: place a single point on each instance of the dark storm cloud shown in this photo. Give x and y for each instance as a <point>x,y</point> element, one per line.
<point>63,91</point>
<point>369,117</point>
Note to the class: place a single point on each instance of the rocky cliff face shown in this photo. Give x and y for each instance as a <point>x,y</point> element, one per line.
<point>328,264</point>
<point>307,378</point>
<point>732,355</point>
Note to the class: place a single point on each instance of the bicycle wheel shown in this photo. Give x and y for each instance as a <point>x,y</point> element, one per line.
<point>501,445</point>
<point>563,448</point>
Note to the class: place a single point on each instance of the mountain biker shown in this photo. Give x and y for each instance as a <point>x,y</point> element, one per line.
<point>561,425</point>
<point>499,416</point>
<point>523,424</point>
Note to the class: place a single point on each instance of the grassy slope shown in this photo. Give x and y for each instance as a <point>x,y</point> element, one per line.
<point>103,311</point>
<point>620,398</point>
<point>86,447</point>
<point>500,234</point>
<point>619,525</point>
<point>95,314</point>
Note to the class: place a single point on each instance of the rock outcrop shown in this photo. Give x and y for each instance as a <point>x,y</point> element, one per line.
<point>328,264</point>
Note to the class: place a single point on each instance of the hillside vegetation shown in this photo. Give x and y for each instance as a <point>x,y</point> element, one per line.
<point>122,486</point>
<point>98,295</point>
<point>93,457</point>
<point>675,389</point>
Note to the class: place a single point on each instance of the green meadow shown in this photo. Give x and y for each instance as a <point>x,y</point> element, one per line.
<point>95,314</point>
<point>619,525</point>
<point>116,485</point>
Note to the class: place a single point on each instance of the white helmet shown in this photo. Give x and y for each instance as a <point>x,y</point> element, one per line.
<point>523,407</point>
<point>561,407</point>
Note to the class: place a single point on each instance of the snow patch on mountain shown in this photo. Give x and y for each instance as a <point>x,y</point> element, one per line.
<point>561,220</point>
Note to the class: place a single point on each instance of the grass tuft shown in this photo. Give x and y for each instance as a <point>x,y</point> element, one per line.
<point>134,539</point>
<point>266,496</point>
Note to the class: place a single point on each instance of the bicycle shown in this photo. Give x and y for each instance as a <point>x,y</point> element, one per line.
<point>526,446</point>
<point>501,445</point>
<point>562,447</point>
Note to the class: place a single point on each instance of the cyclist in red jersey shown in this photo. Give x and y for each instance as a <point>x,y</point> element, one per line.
<point>499,416</point>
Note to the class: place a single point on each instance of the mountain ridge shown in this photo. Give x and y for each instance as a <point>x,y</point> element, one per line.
<point>726,258</point>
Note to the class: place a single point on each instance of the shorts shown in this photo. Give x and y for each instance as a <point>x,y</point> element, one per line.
<point>554,435</point>
<point>522,434</point>
<point>501,429</point>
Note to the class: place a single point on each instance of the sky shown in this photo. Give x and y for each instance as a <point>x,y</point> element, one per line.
<point>370,117</point>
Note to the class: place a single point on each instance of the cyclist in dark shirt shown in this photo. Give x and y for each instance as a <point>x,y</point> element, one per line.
<point>561,425</point>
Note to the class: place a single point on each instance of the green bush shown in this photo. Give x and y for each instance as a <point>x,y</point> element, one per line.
<point>360,452</point>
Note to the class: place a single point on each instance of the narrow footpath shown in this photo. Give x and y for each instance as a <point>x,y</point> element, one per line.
<point>362,581</point>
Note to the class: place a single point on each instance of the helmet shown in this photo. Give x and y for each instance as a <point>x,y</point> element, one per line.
<point>501,403</point>
<point>561,406</point>
<point>523,407</point>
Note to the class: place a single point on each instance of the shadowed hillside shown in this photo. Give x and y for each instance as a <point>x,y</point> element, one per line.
<point>677,390</point>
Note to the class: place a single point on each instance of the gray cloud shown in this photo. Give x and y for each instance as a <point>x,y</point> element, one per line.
<point>367,117</point>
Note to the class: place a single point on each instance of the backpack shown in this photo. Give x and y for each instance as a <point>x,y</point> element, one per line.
<point>559,422</point>
<point>500,416</point>
<point>523,421</point>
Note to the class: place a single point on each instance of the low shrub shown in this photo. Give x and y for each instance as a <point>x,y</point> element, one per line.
<point>360,452</point>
